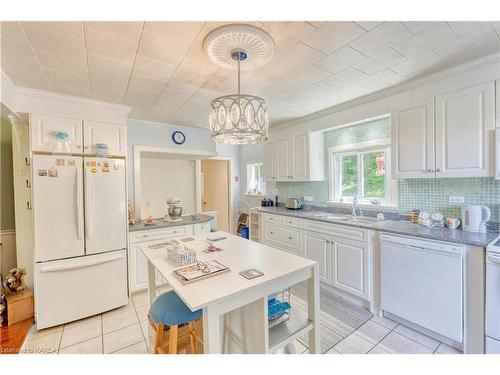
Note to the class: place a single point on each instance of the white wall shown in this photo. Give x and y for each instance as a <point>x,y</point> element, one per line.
<point>162,179</point>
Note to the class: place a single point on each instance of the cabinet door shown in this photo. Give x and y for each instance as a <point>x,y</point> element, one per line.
<point>269,168</point>
<point>350,267</point>
<point>413,140</point>
<point>138,269</point>
<point>43,129</point>
<point>465,121</point>
<point>283,160</point>
<point>317,247</point>
<point>300,157</point>
<point>113,135</point>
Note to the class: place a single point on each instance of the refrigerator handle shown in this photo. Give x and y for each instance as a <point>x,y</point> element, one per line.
<point>79,202</point>
<point>88,216</point>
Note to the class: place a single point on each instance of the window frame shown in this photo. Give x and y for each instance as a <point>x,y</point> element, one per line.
<point>334,173</point>
<point>249,165</point>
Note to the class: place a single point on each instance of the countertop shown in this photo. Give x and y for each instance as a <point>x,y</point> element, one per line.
<point>402,227</point>
<point>161,223</point>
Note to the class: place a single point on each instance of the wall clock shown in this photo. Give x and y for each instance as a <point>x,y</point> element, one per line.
<point>178,137</point>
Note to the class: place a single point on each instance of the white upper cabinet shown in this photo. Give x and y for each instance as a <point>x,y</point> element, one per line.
<point>450,135</point>
<point>413,140</point>
<point>465,123</point>
<point>269,162</point>
<point>113,135</point>
<point>296,157</point>
<point>44,129</point>
<point>283,161</point>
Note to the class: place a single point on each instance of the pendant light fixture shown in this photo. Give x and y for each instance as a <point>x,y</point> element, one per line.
<point>239,118</point>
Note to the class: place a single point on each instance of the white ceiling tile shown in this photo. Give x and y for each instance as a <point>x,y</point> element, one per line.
<point>136,113</point>
<point>462,28</point>
<point>380,61</point>
<point>153,68</point>
<point>147,83</point>
<point>55,43</point>
<point>369,25</point>
<point>340,59</point>
<point>11,63</point>
<point>11,27</point>
<point>287,34</point>
<point>109,46</point>
<point>101,64</point>
<point>66,79</point>
<point>16,44</point>
<point>418,65</point>
<point>381,79</point>
<point>333,35</point>
<point>418,26</point>
<point>310,94</point>
<point>175,94</point>
<point>316,23</point>
<point>305,78</point>
<point>184,84</point>
<point>384,36</point>
<point>178,32</point>
<point>71,89</point>
<point>137,92</point>
<point>108,94</point>
<point>130,31</point>
<point>72,29</point>
<point>50,61</point>
<point>108,80</point>
<point>196,70</point>
<point>345,77</point>
<point>33,78</point>
<point>432,38</point>
<point>141,103</point>
<point>158,48</point>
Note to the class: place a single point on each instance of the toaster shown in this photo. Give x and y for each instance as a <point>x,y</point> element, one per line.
<point>293,204</point>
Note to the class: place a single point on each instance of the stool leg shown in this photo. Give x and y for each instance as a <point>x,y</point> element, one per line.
<point>158,337</point>
<point>192,338</point>
<point>172,339</point>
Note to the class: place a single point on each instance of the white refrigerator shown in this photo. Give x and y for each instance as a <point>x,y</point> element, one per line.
<point>80,236</point>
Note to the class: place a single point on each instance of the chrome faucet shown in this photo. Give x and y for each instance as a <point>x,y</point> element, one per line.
<point>354,204</point>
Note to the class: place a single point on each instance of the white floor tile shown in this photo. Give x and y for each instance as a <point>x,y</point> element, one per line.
<point>417,336</point>
<point>354,344</point>
<point>333,351</point>
<point>164,288</point>
<point>112,322</point>
<point>142,313</point>
<point>140,299</point>
<point>92,346</point>
<point>386,322</point>
<point>83,321</point>
<point>399,344</point>
<point>80,332</point>
<point>377,350</point>
<point>446,349</point>
<point>372,331</point>
<point>47,343</point>
<point>139,348</point>
<point>122,338</point>
<point>34,332</point>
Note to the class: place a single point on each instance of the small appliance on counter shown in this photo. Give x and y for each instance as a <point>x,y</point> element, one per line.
<point>293,204</point>
<point>174,210</point>
<point>475,217</point>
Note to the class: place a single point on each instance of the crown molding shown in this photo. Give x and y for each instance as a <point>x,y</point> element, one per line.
<point>393,90</point>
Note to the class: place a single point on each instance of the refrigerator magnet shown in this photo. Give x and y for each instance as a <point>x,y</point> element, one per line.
<point>116,167</point>
<point>42,172</point>
<point>52,172</point>
<point>60,162</point>
<point>92,163</point>
<point>105,166</point>
<point>93,170</point>
<point>71,162</point>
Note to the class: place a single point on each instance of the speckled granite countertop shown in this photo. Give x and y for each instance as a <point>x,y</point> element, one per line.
<point>402,227</point>
<point>161,223</point>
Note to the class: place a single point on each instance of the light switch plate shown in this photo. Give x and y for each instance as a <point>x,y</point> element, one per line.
<point>308,198</point>
<point>455,199</point>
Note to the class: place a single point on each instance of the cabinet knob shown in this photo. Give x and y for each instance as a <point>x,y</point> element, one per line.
<point>78,147</point>
<point>289,238</point>
<point>271,232</point>
<point>438,170</point>
<point>429,170</point>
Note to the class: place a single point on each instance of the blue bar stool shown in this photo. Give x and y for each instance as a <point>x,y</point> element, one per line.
<point>169,310</point>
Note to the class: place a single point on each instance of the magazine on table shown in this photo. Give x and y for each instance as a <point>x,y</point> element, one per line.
<point>200,270</point>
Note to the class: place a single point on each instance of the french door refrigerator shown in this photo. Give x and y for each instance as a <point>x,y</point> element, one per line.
<point>79,211</point>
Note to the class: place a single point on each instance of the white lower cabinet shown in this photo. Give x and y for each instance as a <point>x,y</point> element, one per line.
<point>138,264</point>
<point>350,267</point>
<point>317,248</point>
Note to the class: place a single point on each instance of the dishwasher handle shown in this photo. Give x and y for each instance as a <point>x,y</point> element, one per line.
<point>493,259</point>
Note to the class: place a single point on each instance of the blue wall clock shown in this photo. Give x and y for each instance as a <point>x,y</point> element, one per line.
<point>178,137</point>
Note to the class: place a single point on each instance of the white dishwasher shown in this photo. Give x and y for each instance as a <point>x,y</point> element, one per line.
<point>422,282</point>
<point>493,297</point>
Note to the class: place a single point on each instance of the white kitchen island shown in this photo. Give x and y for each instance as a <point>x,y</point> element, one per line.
<point>234,308</point>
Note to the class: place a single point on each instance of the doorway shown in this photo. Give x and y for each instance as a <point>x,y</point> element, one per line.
<point>215,190</point>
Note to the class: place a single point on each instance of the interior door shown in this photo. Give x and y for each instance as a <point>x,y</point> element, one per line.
<point>268,156</point>
<point>215,190</point>
<point>283,161</point>
<point>465,122</point>
<point>102,132</point>
<point>317,247</point>
<point>300,157</point>
<point>57,207</point>
<point>105,205</point>
<point>413,140</point>
<point>43,129</point>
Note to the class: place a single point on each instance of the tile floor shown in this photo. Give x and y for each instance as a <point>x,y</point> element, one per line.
<point>125,331</point>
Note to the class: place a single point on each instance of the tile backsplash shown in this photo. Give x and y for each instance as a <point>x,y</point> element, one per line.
<point>424,194</point>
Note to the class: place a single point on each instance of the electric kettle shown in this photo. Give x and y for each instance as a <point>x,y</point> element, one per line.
<point>474,218</point>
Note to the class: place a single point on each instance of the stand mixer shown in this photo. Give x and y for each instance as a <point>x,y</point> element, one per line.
<point>174,209</point>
